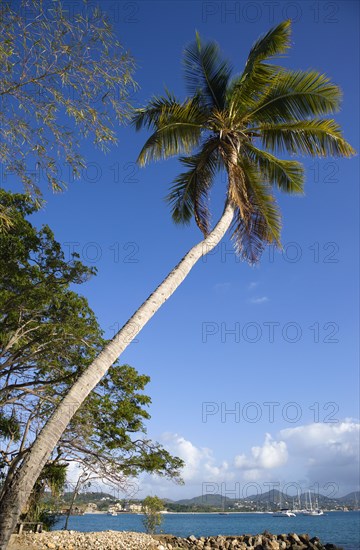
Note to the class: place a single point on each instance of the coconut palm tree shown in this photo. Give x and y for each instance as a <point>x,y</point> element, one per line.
<point>237,125</point>
<point>232,124</point>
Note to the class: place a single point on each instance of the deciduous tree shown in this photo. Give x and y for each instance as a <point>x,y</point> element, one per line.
<point>152,506</point>
<point>48,336</point>
<point>63,76</point>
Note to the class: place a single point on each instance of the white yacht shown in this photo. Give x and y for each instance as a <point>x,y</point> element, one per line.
<point>284,513</point>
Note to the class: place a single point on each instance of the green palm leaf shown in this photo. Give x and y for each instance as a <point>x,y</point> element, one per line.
<point>178,128</point>
<point>268,218</point>
<point>296,95</point>
<point>189,194</point>
<point>244,94</point>
<point>247,88</point>
<point>311,137</point>
<point>262,223</point>
<point>287,175</point>
<point>206,73</point>
<point>276,41</point>
<point>148,117</point>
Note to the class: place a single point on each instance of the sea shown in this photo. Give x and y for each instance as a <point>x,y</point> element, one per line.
<point>340,528</point>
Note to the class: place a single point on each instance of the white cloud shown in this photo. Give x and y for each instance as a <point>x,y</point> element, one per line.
<point>199,461</point>
<point>329,452</point>
<point>73,472</point>
<point>259,300</point>
<point>318,453</point>
<point>270,455</point>
<point>340,437</point>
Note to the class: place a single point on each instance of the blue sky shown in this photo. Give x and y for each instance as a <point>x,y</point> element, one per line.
<point>276,343</point>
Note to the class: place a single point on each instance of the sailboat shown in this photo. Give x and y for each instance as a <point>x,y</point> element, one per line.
<point>297,505</point>
<point>312,512</point>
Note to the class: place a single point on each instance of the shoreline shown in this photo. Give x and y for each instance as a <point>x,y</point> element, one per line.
<point>126,540</point>
<point>119,514</point>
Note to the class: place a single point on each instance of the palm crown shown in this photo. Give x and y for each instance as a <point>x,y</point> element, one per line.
<point>237,124</point>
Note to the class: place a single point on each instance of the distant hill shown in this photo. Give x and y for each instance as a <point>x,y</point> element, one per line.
<point>352,499</point>
<point>215,501</point>
<point>271,500</point>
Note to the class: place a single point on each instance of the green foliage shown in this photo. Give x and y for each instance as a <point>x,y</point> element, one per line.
<point>206,73</point>
<point>152,506</point>
<point>188,195</point>
<point>63,76</point>
<point>48,336</point>
<point>178,125</point>
<point>225,125</point>
<point>110,423</point>
<point>9,427</point>
<point>48,333</point>
<point>257,75</point>
<point>53,476</point>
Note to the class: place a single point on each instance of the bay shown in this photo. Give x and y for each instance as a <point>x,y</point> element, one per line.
<point>340,528</point>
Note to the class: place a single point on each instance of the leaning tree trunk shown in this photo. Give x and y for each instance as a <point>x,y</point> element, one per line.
<point>18,491</point>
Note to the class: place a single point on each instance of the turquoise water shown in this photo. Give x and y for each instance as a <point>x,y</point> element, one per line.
<point>340,528</point>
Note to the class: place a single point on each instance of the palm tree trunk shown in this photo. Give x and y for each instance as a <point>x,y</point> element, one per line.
<point>18,491</point>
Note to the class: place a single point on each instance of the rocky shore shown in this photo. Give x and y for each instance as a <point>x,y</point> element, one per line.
<point>266,541</point>
<point>122,540</point>
<point>75,540</point>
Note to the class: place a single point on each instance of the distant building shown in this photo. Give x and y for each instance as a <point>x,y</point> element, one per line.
<point>91,507</point>
<point>135,508</point>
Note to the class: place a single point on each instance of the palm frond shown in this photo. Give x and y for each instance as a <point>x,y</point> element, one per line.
<point>287,175</point>
<point>245,94</point>
<point>178,128</point>
<point>189,193</point>
<point>238,192</point>
<point>276,41</point>
<point>295,95</point>
<point>245,90</point>
<point>268,219</point>
<point>261,223</point>
<point>148,116</point>
<point>319,137</point>
<point>206,73</point>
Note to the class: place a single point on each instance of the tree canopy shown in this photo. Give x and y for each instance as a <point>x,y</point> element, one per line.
<point>152,506</point>
<point>63,76</point>
<point>48,336</point>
